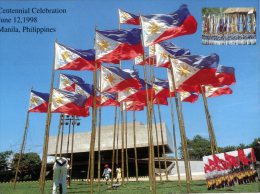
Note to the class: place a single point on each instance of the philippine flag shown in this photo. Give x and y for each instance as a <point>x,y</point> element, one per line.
<point>68,82</point>
<point>225,76</point>
<point>86,90</point>
<point>148,60</point>
<point>160,27</point>
<point>191,71</point>
<point>69,103</point>
<point>211,91</point>
<point>128,18</point>
<point>67,58</point>
<point>165,49</point>
<point>114,79</point>
<point>189,97</point>
<point>108,99</point>
<point>38,102</point>
<point>133,106</point>
<point>161,89</point>
<point>114,45</point>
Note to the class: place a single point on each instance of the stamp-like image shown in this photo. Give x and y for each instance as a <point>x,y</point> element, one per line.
<point>229,26</point>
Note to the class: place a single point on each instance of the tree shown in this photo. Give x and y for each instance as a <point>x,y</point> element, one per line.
<point>197,148</point>
<point>29,168</point>
<point>5,160</point>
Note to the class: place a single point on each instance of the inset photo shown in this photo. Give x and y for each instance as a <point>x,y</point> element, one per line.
<point>229,26</point>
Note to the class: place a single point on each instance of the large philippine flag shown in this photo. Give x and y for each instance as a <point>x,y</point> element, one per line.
<point>165,49</point>
<point>69,103</point>
<point>191,71</point>
<point>67,58</point>
<point>160,27</point>
<point>68,82</point>
<point>114,45</point>
<point>128,18</point>
<point>114,79</point>
<point>38,102</point>
<point>211,91</point>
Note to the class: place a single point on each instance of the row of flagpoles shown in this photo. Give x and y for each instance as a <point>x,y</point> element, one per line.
<point>188,76</point>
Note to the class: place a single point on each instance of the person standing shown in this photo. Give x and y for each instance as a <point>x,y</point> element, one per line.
<point>106,173</point>
<point>60,169</point>
<point>118,174</point>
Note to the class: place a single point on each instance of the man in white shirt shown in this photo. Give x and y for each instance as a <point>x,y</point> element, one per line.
<point>60,169</point>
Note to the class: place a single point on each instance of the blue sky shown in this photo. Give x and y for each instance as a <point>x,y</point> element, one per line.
<point>26,61</point>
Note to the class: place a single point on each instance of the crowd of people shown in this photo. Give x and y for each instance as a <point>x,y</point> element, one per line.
<point>230,179</point>
<point>229,29</point>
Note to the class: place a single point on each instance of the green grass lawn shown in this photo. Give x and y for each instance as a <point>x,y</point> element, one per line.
<point>131,187</point>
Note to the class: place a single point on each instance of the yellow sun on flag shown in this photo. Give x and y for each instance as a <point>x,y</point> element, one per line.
<point>164,55</point>
<point>66,55</point>
<point>110,78</point>
<point>152,50</point>
<point>209,89</point>
<point>103,45</point>
<point>58,100</point>
<point>156,89</point>
<point>125,16</point>
<point>65,81</point>
<point>184,71</point>
<point>103,98</point>
<point>34,100</point>
<point>154,28</point>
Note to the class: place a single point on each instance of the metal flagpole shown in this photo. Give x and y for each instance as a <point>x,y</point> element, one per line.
<point>22,147</point>
<point>47,131</point>
<point>117,136</point>
<point>182,132</point>
<point>68,139</point>
<point>213,141</point>
<point>174,141</point>
<point>164,154</point>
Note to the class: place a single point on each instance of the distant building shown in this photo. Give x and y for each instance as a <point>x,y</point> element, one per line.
<point>82,142</point>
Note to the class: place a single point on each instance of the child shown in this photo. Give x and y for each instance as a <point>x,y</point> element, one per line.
<point>106,172</point>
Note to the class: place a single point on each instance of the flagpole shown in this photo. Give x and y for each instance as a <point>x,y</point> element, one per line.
<point>122,130</point>
<point>126,152</point>
<point>72,149</point>
<point>68,139</point>
<point>99,135</point>
<point>22,147</point>
<point>158,149</point>
<point>114,140</point>
<point>93,138</point>
<point>58,136</point>
<point>213,141</point>
<point>61,139</point>
<point>174,141</point>
<point>164,154</point>
<point>136,164</point>
<point>151,161</point>
<point>117,136</point>
<point>47,131</point>
<point>182,131</point>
